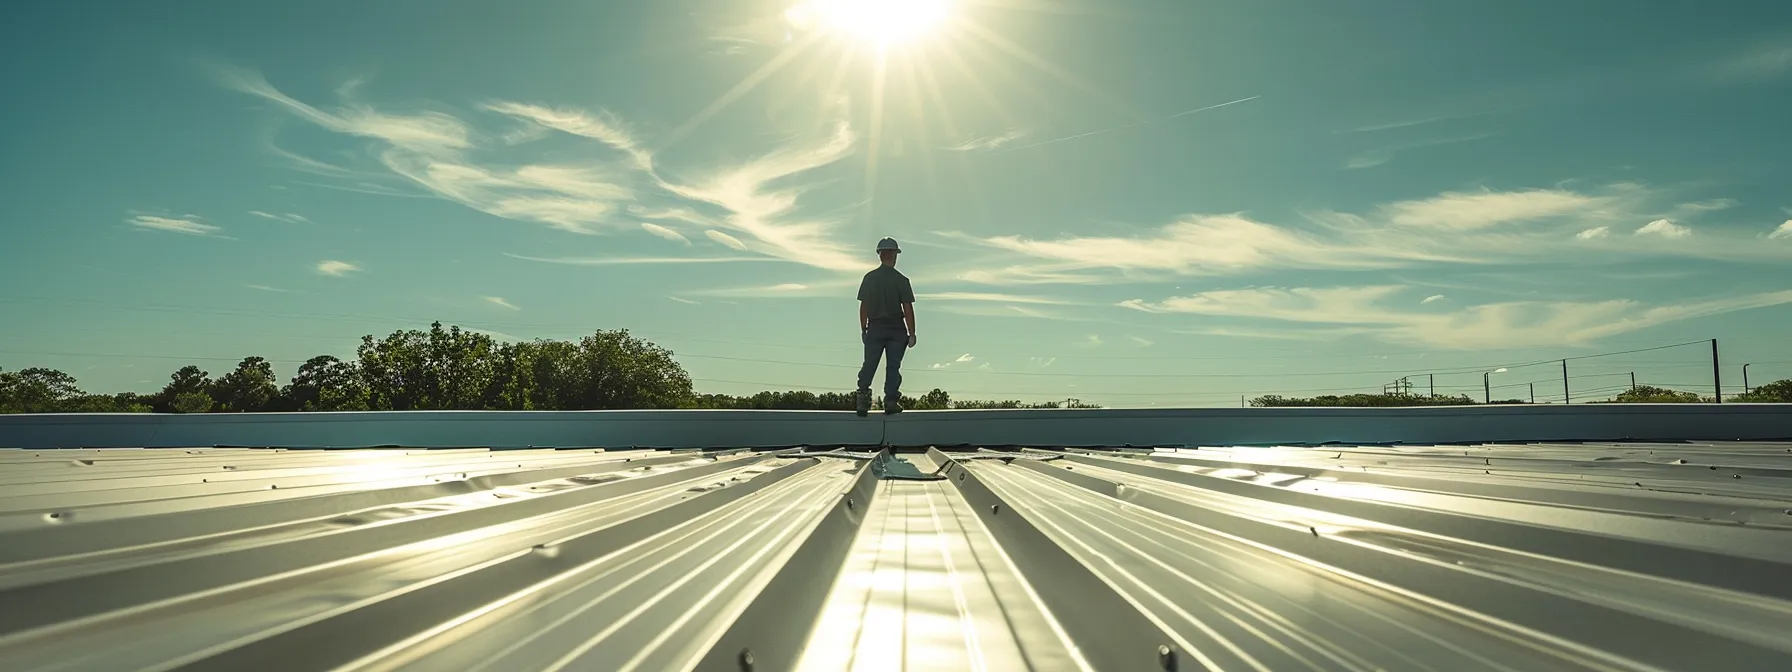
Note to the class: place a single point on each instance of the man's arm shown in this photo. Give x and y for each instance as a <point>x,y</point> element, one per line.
<point>864,317</point>
<point>908,317</point>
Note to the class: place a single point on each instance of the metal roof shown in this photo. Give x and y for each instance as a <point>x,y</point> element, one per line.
<point>1476,557</point>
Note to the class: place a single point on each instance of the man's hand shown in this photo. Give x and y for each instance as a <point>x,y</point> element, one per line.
<point>911,340</point>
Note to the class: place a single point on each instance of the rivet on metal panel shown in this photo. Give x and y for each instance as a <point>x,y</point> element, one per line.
<point>995,508</point>
<point>1166,657</point>
<point>1735,475</point>
<point>849,502</point>
<point>746,660</point>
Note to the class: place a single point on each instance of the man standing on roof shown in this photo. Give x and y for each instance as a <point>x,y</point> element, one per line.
<point>886,325</point>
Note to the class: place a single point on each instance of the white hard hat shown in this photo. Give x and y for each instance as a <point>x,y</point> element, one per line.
<point>888,244</point>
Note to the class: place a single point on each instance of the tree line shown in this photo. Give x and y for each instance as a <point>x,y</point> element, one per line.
<point>446,368</point>
<point>1777,392</point>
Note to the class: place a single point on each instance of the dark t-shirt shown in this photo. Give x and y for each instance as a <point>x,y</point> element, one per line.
<point>884,290</point>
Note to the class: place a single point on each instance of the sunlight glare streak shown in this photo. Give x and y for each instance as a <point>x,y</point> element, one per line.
<point>878,22</point>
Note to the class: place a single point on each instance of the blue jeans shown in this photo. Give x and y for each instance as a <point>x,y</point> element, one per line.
<point>887,341</point>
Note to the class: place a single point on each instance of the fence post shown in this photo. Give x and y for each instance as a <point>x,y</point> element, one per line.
<point>1717,381</point>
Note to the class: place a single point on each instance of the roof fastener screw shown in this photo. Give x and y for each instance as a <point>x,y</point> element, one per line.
<point>1314,530</point>
<point>746,660</point>
<point>995,508</point>
<point>849,502</point>
<point>1735,475</point>
<point>1166,657</point>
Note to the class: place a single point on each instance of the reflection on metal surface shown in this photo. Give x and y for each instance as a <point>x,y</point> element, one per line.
<point>1482,557</point>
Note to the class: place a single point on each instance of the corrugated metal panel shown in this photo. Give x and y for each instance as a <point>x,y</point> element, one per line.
<point>1508,557</point>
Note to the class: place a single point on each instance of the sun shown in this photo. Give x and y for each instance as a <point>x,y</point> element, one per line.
<point>881,23</point>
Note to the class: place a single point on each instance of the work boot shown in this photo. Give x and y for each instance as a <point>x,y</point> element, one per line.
<point>892,406</point>
<point>864,402</point>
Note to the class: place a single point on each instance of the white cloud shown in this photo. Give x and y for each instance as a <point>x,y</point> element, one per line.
<point>726,239</point>
<point>1143,342</point>
<point>1094,339</point>
<point>1664,228</point>
<point>1432,299</point>
<point>336,268</point>
<point>289,217</point>
<point>266,288</point>
<point>426,132</point>
<point>189,224</point>
<point>1376,157</point>
<point>1469,211</point>
<point>664,232</point>
<point>1367,310</point>
<point>966,357</point>
<point>1478,228</point>
<point>989,296</point>
<point>988,142</point>
<point>500,302</point>
<point>616,261</point>
<point>788,287</point>
<point>603,127</point>
<point>1784,231</point>
<point>683,300</point>
<point>1042,362</point>
<point>443,155</point>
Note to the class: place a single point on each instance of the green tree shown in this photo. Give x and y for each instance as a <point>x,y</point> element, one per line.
<point>191,402</point>
<point>1776,392</point>
<point>36,390</point>
<point>187,381</point>
<point>1362,400</point>
<point>612,369</point>
<point>427,370</point>
<point>247,389</point>
<point>325,383</point>
<point>1649,394</point>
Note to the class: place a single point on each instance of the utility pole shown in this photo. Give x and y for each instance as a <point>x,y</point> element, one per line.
<point>1533,393</point>
<point>1632,381</point>
<point>1565,382</point>
<point>1745,388</point>
<point>1433,378</point>
<point>1717,382</point>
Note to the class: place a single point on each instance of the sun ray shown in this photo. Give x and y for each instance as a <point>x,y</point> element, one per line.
<point>875,136</point>
<point>746,85</point>
<point>919,118</point>
<point>1023,55</point>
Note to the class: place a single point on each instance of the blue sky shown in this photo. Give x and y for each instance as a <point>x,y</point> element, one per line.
<point>1137,203</point>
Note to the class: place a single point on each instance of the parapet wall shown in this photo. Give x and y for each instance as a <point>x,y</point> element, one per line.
<point>1098,427</point>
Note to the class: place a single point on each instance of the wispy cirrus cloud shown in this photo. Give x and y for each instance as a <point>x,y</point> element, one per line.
<point>684,300</point>
<point>752,202</point>
<point>622,261</point>
<point>1481,227</point>
<point>500,302</point>
<point>1373,311</point>
<point>335,268</point>
<point>726,240</point>
<point>1783,232</point>
<point>1381,155</point>
<point>664,232</point>
<point>288,217</point>
<point>265,288</point>
<point>991,297</point>
<point>189,224</point>
<point>1434,298</point>
<point>988,142</point>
